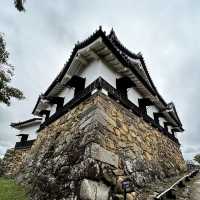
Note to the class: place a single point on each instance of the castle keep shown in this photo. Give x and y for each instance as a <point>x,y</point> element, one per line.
<point>103,123</point>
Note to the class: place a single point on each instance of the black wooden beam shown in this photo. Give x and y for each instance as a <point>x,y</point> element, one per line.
<point>78,83</point>
<point>24,145</point>
<point>122,84</point>
<point>175,130</point>
<point>59,101</point>
<point>166,124</point>
<point>157,116</point>
<point>46,113</point>
<point>24,137</point>
<point>143,103</point>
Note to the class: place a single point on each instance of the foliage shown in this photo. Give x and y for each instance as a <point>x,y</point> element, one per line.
<point>9,190</point>
<point>19,4</point>
<point>197,158</point>
<point>6,73</point>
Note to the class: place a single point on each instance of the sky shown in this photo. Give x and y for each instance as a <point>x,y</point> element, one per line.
<point>41,39</point>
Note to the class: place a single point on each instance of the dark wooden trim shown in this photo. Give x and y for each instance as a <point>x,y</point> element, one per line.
<point>168,124</point>
<point>166,127</point>
<point>122,84</point>
<point>24,145</point>
<point>157,116</point>
<point>24,137</point>
<point>143,103</point>
<point>175,130</point>
<point>99,84</point>
<point>59,101</point>
<point>78,83</point>
<point>46,113</point>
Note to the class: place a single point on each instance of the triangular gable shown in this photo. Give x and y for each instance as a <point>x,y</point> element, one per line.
<point>109,43</point>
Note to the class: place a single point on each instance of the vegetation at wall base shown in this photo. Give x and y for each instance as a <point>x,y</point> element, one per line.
<point>9,190</point>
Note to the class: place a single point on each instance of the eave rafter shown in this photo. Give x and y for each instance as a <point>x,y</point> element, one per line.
<point>94,54</point>
<point>82,59</point>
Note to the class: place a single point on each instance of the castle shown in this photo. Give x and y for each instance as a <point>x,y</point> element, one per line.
<point>100,123</point>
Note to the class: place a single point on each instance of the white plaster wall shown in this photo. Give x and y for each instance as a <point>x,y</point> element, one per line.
<point>133,96</point>
<point>43,118</point>
<point>68,94</point>
<point>162,120</point>
<point>98,68</point>
<point>170,129</point>
<point>52,109</point>
<point>151,110</point>
<point>31,130</point>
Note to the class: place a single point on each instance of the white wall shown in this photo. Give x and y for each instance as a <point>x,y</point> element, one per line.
<point>52,109</point>
<point>43,118</point>
<point>134,95</point>
<point>151,110</point>
<point>31,130</point>
<point>162,120</point>
<point>98,68</point>
<point>170,129</point>
<point>68,94</point>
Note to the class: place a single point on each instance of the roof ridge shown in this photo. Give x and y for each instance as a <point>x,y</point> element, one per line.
<point>114,39</point>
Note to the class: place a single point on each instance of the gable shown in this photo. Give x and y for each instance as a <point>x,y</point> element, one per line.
<point>96,69</point>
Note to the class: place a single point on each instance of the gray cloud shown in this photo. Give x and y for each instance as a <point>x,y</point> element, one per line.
<point>41,39</point>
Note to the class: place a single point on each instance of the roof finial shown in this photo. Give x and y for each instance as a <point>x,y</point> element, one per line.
<point>112,34</point>
<point>140,54</point>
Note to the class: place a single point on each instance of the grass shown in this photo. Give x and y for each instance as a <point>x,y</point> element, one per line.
<point>9,190</point>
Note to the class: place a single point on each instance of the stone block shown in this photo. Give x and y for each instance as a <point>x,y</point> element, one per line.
<point>97,152</point>
<point>91,190</point>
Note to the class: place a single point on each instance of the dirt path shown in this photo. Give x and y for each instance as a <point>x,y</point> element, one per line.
<point>196,188</point>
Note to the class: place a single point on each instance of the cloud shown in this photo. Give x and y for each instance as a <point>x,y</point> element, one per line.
<point>41,39</point>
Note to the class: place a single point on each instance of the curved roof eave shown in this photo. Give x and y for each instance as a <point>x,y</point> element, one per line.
<point>26,123</point>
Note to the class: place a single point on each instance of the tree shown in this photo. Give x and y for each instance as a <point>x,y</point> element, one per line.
<point>6,74</point>
<point>197,158</point>
<point>19,4</point>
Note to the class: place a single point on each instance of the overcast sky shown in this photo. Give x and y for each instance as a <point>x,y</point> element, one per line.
<point>166,32</point>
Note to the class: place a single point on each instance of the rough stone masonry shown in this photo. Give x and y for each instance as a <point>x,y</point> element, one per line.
<point>12,161</point>
<point>89,151</point>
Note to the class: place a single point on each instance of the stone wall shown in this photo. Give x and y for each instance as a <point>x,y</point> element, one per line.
<point>88,152</point>
<point>12,161</point>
